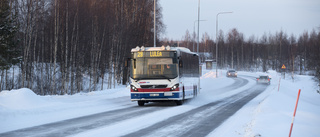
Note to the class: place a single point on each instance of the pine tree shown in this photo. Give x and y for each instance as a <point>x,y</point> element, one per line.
<point>8,45</point>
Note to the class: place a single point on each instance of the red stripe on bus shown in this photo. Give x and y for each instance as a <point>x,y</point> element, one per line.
<point>154,90</point>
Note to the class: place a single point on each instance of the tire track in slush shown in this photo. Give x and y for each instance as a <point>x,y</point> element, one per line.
<point>80,124</point>
<point>202,120</point>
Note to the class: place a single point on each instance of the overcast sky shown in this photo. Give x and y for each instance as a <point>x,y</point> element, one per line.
<point>250,17</point>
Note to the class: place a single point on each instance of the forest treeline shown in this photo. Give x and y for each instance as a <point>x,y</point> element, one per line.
<point>300,54</point>
<point>68,46</point>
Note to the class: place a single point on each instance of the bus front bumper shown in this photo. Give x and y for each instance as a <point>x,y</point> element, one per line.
<point>157,96</point>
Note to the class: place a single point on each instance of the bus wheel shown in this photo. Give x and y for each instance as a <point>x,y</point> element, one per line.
<point>141,103</point>
<point>197,92</point>
<point>179,102</point>
<point>194,90</point>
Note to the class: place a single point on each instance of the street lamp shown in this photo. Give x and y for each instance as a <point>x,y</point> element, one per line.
<point>217,40</point>
<point>198,26</point>
<point>154,23</point>
<point>194,24</point>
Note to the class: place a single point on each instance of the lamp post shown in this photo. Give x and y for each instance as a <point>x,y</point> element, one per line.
<point>154,23</point>
<point>194,24</point>
<point>198,26</point>
<point>217,40</point>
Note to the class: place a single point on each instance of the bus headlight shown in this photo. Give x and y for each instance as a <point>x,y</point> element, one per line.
<point>176,86</point>
<point>134,88</point>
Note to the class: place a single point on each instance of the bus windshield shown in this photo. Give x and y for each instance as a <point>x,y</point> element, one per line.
<point>154,68</point>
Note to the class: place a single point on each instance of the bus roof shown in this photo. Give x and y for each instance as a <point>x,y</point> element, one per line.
<point>168,48</point>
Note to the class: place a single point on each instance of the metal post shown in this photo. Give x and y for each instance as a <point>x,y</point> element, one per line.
<point>194,24</point>
<point>154,23</point>
<point>193,36</point>
<point>217,40</point>
<point>198,26</point>
<point>294,113</point>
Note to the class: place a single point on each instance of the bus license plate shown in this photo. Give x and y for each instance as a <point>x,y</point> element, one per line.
<point>154,95</point>
<point>168,94</point>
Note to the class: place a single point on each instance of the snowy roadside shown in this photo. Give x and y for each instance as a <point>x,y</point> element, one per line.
<point>270,114</point>
<point>22,108</point>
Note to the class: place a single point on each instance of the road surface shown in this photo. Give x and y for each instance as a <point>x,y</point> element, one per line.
<point>198,121</point>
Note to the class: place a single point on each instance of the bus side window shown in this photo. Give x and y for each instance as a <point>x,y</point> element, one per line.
<point>174,60</point>
<point>180,68</point>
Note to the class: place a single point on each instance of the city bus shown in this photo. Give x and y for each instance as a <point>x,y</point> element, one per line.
<point>163,74</point>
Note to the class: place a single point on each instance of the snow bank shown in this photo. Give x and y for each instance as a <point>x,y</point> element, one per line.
<point>20,99</point>
<point>22,108</point>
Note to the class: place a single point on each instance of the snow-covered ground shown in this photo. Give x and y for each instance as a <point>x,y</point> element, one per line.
<point>269,114</point>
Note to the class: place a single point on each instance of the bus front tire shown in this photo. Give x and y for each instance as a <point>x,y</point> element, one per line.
<point>141,103</point>
<point>179,102</point>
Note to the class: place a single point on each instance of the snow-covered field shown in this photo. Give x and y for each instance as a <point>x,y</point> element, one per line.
<point>268,115</point>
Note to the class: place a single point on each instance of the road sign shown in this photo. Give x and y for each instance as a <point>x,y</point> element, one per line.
<point>283,66</point>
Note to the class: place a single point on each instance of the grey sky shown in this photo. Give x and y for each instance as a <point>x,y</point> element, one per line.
<point>250,17</point>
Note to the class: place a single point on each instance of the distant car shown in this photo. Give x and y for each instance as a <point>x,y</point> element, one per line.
<point>263,80</point>
<point>232,73</point>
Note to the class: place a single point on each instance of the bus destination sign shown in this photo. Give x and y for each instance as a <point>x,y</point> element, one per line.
<point>155,54</point>
<point>142,54</point>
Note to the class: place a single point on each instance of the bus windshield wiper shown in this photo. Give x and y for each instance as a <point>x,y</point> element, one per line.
<point>137,79</point>
<point>166,77</point>
<point>159,76</point>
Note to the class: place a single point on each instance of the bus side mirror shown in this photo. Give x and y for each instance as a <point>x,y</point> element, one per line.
<point>180,64</point>
<point>126,63</point>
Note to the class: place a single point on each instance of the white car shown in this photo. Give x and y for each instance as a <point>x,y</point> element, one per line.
<point>263,80</point>
<point>231,73</point>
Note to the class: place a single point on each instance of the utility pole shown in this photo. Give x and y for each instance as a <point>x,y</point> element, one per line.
<point>198,27</point>
<point>193,36</point>
<point>154,23</point>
